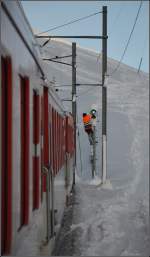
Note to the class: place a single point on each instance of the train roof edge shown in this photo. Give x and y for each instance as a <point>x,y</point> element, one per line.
<point>16,12</point>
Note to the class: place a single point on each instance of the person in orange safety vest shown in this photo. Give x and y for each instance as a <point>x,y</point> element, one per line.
<point>87,121</point>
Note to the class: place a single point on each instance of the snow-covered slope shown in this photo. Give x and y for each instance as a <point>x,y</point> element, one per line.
<point>124,211</point>
<point>127,95</point>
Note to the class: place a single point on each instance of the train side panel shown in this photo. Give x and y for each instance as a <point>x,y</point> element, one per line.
<point>30,124</point>
<point>23,68</point>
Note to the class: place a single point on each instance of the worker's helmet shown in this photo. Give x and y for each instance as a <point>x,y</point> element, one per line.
<point>93,111</point>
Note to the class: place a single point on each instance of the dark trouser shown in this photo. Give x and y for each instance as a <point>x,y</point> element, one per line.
<point>91,139</point>
<point>90,135</point>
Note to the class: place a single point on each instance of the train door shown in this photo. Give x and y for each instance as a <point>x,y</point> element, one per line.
<point>48,178</point>
<point>42,145</point>
<point>6,186</point>
<point>51,173</point>
<point>57,145</point>
<point>36,149</point>
<point>25,127</point>
<point>45,134</point>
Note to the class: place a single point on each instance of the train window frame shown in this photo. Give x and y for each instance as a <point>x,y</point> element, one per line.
<point>24,149</point>
<point>45,132</point>
<point>6,184</point>
<point>42,143</point>
<point>36,148</point>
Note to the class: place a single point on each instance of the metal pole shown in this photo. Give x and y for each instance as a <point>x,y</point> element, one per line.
<point>94,153</point>
<point>104,43</point>
<point>104,95</point>
<point>74,103</point>
<point>83,37</point>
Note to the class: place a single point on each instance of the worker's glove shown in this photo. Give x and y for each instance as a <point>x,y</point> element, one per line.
<point>93,116</point>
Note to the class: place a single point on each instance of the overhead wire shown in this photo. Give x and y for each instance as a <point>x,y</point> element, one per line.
<point>85,92</point>
<point>144,43</point>
<point>70,22</point>
<point>116,18</point>
<point>127,44</point>
<point>143,51</point>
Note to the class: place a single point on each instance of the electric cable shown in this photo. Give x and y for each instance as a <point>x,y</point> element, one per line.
<point>143,51</point>
<point>144,43</point>
<point>116,18</point>
<point>70,22</point>
<point>85,92</point>
<point>126,47</point>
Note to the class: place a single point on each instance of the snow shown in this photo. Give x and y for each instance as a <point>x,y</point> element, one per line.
<point>110,219</point>
<point>96,181</point>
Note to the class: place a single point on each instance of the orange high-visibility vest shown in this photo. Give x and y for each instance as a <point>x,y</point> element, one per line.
<point>87,120</point>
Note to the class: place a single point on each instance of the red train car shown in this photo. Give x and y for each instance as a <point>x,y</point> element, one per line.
<point>36,139</point>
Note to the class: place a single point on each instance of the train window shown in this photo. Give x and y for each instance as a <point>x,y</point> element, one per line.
<point>36,157</point>
<point>6,186</point>
<point>25,128</point>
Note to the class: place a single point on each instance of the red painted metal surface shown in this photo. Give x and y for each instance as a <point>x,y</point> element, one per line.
<point>61,142</point>
<point>51,136</point>
<point>62,148</point>
<point>25,128</point>
<point>53,139</point>
<point>59,133</point>
<point>36,182</point>
<point>67,136</point>
<point>46,133</point>
<point>57,144</point>
<point>54,144</point>
<point>36,117</point>
<point>36,141</point>
<point>42,155</point>
<point>6,187</point>
<point>50,132</point>
<point>64,137</point>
